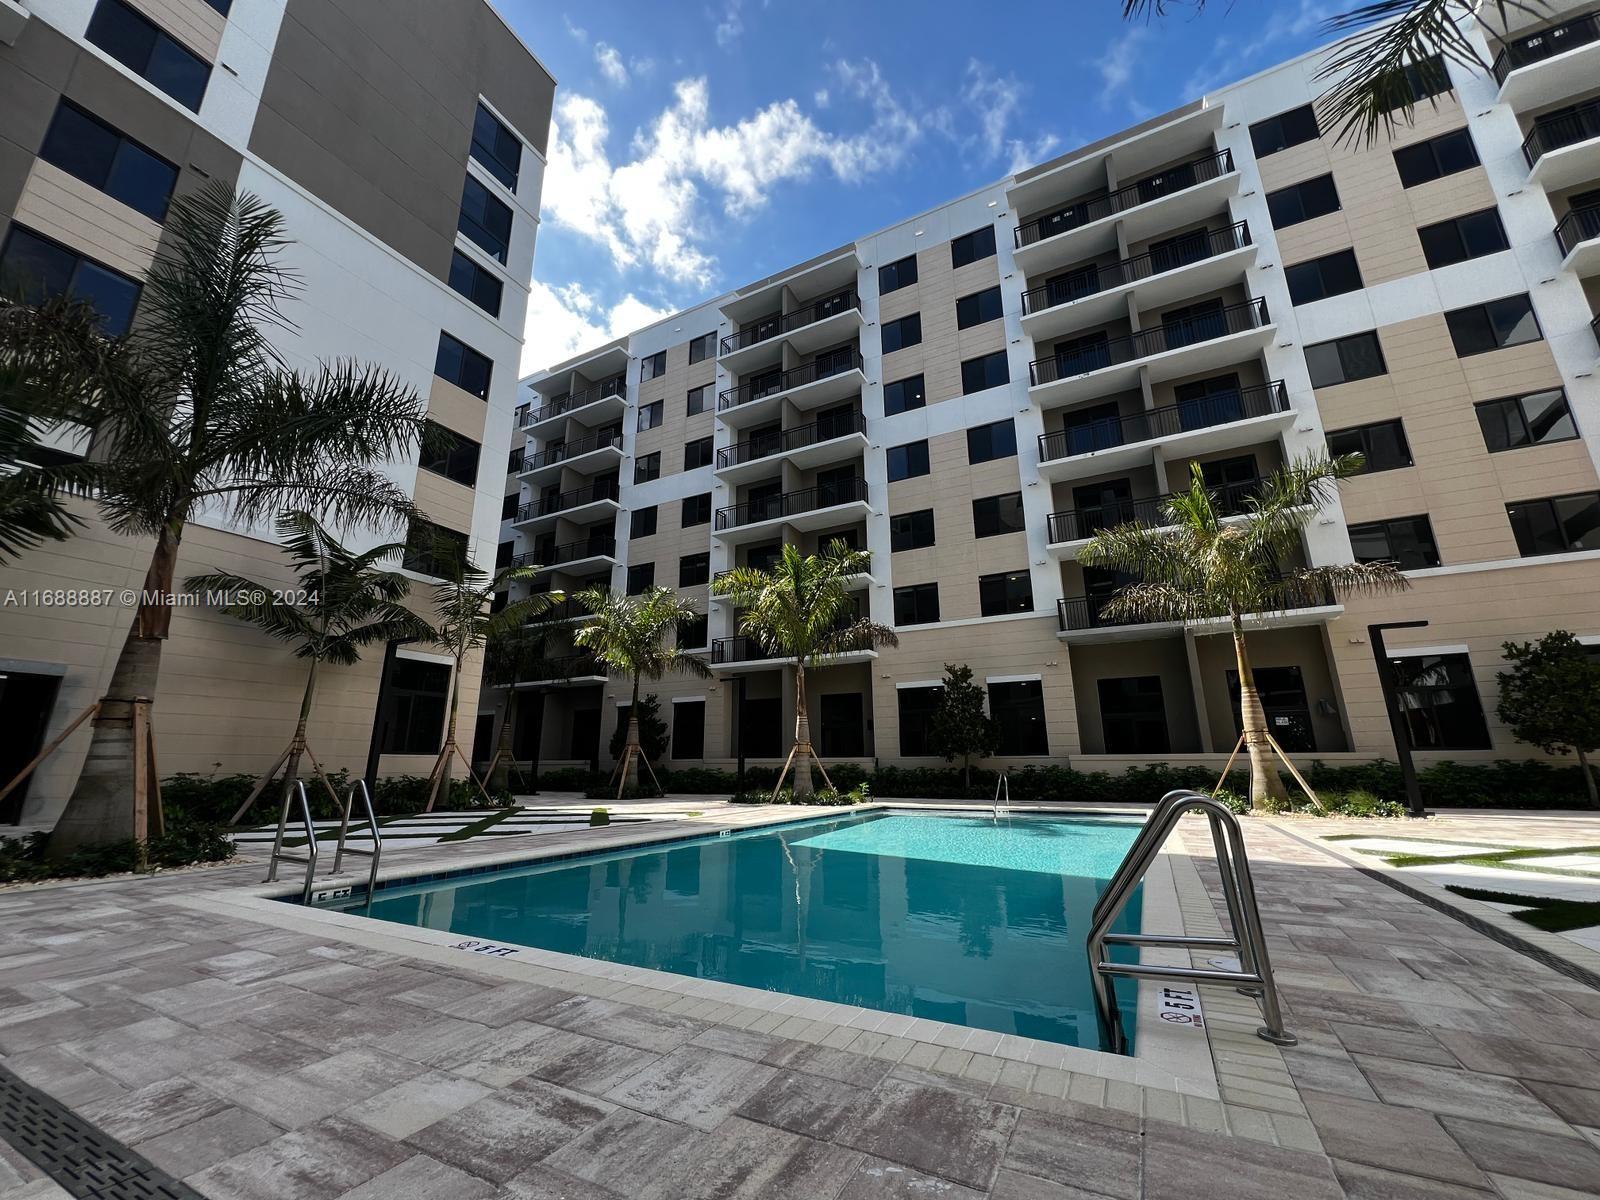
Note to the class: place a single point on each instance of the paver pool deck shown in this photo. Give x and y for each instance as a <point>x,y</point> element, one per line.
<point>290,1061</point>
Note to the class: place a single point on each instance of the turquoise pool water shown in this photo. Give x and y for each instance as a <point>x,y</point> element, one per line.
<point>961,919</point>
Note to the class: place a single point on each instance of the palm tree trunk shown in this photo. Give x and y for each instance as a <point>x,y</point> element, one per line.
<point>448,750</point>
<point>291,768</point>
<point>1588,777</point>
<point>630,749</point>
<point>802,737</point>
<point>500,778</point>
<point>1266,785</point>
<point>100,809</point>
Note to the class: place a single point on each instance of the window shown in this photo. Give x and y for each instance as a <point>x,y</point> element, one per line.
<point>908,461</point>
<point>477,283</point>
<point>703,347</point>
<point>917,604</point>
<point>647,467</point>
<point>497,149</point>
<point>135,42</point>
<point>458,363</point>
<point>1435,158</point>
<point>903,395</point>
<point>1133,717</point>
<point>987,371</point>
<point>972,247</point>
<point>1291,128</point>
<point>699,399</point>
<point>995,515</point>
<point>508,508</point>
<point>911,531</point>
<point>485,219</point>
<point>34,269</point>
<point>689,727</point>
<point>1018,709</point>
<point>1345,360</point>
<point>695,631</point>
<point>697,453</point>
<point>1404,540</point>
<point>105,159</point>
<point>1383,445</point>
<point>642,522</point>
<point>694,569</point>
<point>411,715</point>
<point>1531,420</point>
<point>1438,699</point>
<point>988,442</point>
<point>433,550</point>
<point>651,415</point>
<point>1428,78</point>
<point>897,275</point>
<point>1303,201</point>
<point>897,335</point>
<point>1461,238</point>
<point>917,706</point>
<point>1493,326</point>
<point>696,509</point>
<point>222,6</point>
<point>641,578</point>
<point>978,308</point>
<point>449,454</point>
<point>653,366</point>
<point>1007,592</point>
<point>1331,275</point>
<point>1557,525</point>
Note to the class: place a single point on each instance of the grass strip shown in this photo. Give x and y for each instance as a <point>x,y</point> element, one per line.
<point>1542,912</point>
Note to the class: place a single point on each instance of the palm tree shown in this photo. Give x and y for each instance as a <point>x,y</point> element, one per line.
<point>1200,564</point>
<point>464,621</point>
<point>507,658</point>
<point>1369,90</point>
<point>801,608</point>
<point>346,602</point>
<point>629,636</point>
<point>207,416</point>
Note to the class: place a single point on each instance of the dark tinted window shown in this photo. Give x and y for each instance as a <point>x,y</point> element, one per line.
<point>651,415</point>
<point>508,512</point>
<point>477,283</point>
<point>897,335</point>
<point>988,371</point>
<point>641,577</point>
<point>986,442</point>
<point>995,515</point>
<point>1461,238</point>
<point>433,550</point>
<point>897,275</point>
<point>1007,592</point>
<point>1284,130</point>
<point>1404,540</point>
<point>85,146</point>
<point>642,522</point>
<point>911,531</point>
<point>916,605</point>
<point>653,366</point>
<point>903,395</point>
<point>647,467</point>
<point>908,461</point>
<point>694,569</point>
<point>1438,699</point>
<point>1556,525</point>
<point>1493,326</point>
<point>463,366</point>
<point>703,347</point>
<point>1427,78</point>
<point>1531,420</point>
<point>1383,445</point>
<point>1303,201</point>
<point>449,454</point>
<point>1018,708</point>
<point>917,706</point>
<point>485,220</point>
<point>689,718</point>
<point>699,399</point>
<point>412,707</point>
<point>978,308</point>
<point>496,148</point>
<point>970,247</point>
<point>1358,356</point>
<point>1435,158</point>
<point>696,509</point>
<point>34,269</point>
<point>697,454</point>
<point>222,6</point>
<point>1331,275</point>
<point>146,50</point>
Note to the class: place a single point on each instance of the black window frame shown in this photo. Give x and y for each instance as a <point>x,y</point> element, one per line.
<point>1494,315</point>
<point>894,276</point>
<point>907,333</point>
<point>914,456</point>
<point>694,569</point>
<point>1285,214</point>
<point>1463,238</point>
<point>650,416</point>
<point>987,371</point>
<point>702,395</point>
<point>641,578</point>
<point>1002,594</point>
<point>1284,131</point>
<point>430,547</point>
<point>469,365</point>
<point>68,151</point>
<point>915,718</point>
<point>1336,274</point>
<point>702,347</point>
<point>642,522</point>
<point>78,261</point>
<point>470,278</point>
<point>647,467</point>
<point>1521,512</point>
<point>699,514</point>
<point>979,308</point>
<point>1408,541</point>
<point>972,247</point>
<point>1024,732</point>
<point>895,395</point>
<point>1414,170</point>
<point>913,530</point>
<point>1345,350</point>
<point>982,443</point>
<point>997,516</point>
<point>1363,437</point>
<point>102,31</point>
<point>697,453</point>
<point>413,706</point>
<point>652,366</point>
<point>1417,699</point>
<point>481,217</point>
<point>916,604</point>
<point>688,742</point>
<point>449,454</point>
<point>1505,408</point>
<point>492,157</point>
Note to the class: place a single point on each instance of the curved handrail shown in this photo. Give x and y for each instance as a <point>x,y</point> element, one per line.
<point>372,826</point>
<point>298,791</point>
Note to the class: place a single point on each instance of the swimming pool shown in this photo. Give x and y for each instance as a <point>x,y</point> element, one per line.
<point>962,919</point>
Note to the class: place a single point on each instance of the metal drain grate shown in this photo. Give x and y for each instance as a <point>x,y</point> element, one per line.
<point>75,1154</point>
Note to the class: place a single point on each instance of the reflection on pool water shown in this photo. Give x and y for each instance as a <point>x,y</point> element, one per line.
<point>964,919</point>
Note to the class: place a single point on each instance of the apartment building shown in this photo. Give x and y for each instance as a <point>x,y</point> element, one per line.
<point>971,394</point>
<point>404,145</point>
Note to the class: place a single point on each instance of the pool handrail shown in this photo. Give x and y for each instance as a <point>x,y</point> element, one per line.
<point>279,854</point>
<point>1002,785</point>
<point>372,826</point>
<point>1254,975</point>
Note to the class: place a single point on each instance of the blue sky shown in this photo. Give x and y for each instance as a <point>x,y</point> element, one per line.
<point>702,144</point>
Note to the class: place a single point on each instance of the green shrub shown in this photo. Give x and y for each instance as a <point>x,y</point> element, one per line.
<point>214,799</point>
<point>821,798</point>
<point>184,843</point>
<point>599,817</point>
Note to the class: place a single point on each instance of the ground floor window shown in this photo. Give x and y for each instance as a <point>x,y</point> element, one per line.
<point>916,710</point>
<point>689,729</point>
<point>1438,698</point>
<point>761,728</point>
<point>1133,718</point>
<point>412,711</point>
<point>1018,708</point>
<point>841,732</point>
<point>1283,703</point>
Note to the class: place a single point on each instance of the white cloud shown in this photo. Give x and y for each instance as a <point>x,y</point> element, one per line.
<point>576,32</point>
<point>1230,56</point>
<point>565,320</point>
<point>1116,67</point>
<point>609,60</point>
<point>731,24</point>
<point>995,101</point>
<point>820,97</point>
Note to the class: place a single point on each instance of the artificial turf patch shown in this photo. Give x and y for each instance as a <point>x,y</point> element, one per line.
<point>1542,912</point>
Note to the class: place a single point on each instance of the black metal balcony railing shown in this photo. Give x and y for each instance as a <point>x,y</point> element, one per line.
<point>514,461</point>
<point>1579,225</point>
<point>790,439</point>
<point>1203,412</point>
<point>566,450</point>
<point>600,489</point>
<point>570,609</point>
<point>1081,357</point>
<point>1189,248</point>
<point>1152,187</point>
<point>807,314</point>
<point>774,382</point>
<point>1088,612</point>
<point>1078,524</point>
<point>1562,129</point>
<point>747,649</point>
<point>617,385</point>
<point>567,666</point>
<point>1594,327</point>
<point>789,504</point>
<point>1546,43</point>
<point>555,556</point>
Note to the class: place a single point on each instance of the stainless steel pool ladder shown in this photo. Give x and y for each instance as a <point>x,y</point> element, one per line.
<point>309,858</point>
<point>1002,787</point>
<point>1254,974</point>
<point>372,826</point>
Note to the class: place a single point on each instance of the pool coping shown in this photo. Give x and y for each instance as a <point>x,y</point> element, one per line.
<point>1179,1072</point>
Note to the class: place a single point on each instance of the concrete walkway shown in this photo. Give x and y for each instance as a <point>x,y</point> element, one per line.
<point>1434,1062</point>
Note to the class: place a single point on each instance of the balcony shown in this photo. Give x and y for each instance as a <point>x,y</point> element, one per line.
<point>1563,149</point>
<point>1197,426</point>
<point>568,670</point>
<point>574,558</point>
<point>820,443</point>
<point>1187,347</point>
<point>1578,235</point>
<point>599,452</point>
<point>1069,531</point>
<point>809,386</point>
<point>1176,196</point>
<point>580,504</point>
<point>734,654</point>
<point>514,460</point>
<point>1083,618</point>
<point>808,509</point>
<point>597,403</point>
<point>1551,64</point>
<point>1197,263</point>
<point>811,327</point>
